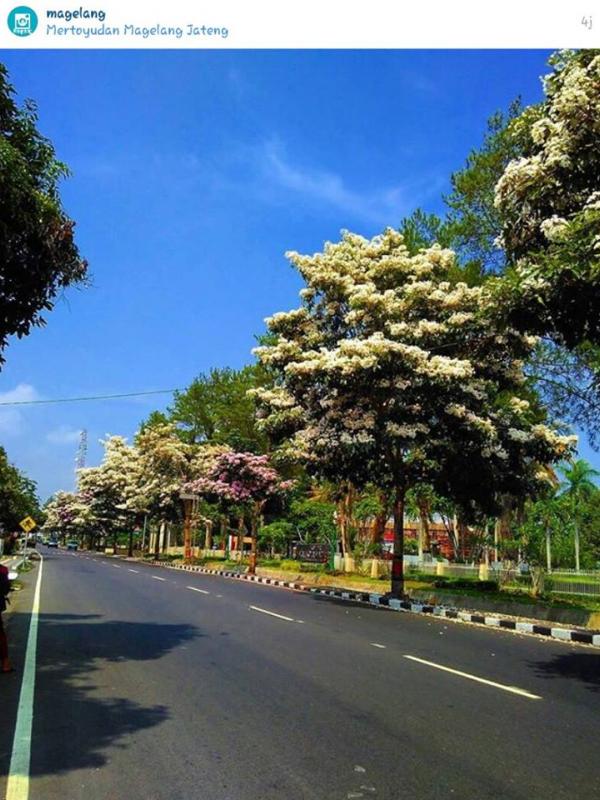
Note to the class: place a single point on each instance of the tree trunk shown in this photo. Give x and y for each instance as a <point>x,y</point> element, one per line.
<point>240,537</point>
<point>143,545</point>
<point>378,528</point>
<point>398,557</point>
<point>456,537</point>
<point>130,547</point>
<point>548,551</point>
<point>537,581</point>
<point>496,537</point>
<point>252,563</point>
<point>157,537</point>
<point>424,538</point>
<point>576,548</point>
<point>380,521</point>
<point>208,539</point>
<point>343,527</point>
<point>344,510</point>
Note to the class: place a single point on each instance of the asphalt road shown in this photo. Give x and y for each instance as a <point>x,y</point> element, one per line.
<point>154,684</point>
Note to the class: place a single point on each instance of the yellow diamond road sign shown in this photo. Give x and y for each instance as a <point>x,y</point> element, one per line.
<point>28,524</point>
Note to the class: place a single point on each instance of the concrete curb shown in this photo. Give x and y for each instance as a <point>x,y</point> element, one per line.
<point>18,560</point>
<point>393,604</point>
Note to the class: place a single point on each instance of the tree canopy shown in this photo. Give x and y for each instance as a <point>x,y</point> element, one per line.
<point>18,495</point>
<point>38,254</point>
<point>393,374</point>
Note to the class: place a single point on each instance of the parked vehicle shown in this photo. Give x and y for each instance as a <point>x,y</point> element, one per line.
<point>72,544</point>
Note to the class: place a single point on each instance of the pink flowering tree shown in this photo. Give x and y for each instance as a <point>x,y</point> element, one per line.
<point>244,480</point>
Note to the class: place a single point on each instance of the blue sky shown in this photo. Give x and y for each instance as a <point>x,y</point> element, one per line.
<point>193,173</point>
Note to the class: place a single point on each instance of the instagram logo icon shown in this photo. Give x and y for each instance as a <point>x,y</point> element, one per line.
<point>22,21</point>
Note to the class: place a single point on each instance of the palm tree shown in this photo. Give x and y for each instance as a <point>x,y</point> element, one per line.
<point>578,484</point>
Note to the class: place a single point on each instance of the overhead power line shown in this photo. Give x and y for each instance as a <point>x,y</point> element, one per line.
<point>81,399</point>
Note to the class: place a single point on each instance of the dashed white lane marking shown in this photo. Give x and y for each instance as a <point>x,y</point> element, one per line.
<point>117,566</point>
<point>132,570</point>
<point>271,613</point>
<point>476,678</point>
<point>375,644</point>
<point>156,578</point>
<point>195,589</point>
<point>17,787</point>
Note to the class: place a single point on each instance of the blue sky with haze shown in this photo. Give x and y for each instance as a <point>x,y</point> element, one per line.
<point>193,173</point>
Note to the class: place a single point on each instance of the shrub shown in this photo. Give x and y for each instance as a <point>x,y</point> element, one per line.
<point>443,582</point>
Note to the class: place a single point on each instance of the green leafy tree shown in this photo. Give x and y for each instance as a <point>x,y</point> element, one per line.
<point>313,520</point>
<point>276,536</point>
<point>218,408</point>
<point>18,496</point>
<point>577,487</point>
<point>38,254</point>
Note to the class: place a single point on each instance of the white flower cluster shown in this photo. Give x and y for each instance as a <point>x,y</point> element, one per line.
<point>566,146</point>
<point>389,358</point>
<point>554,228</point>
<point>562,443</point>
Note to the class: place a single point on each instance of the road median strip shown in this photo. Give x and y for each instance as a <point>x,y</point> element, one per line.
<point>572,635</point>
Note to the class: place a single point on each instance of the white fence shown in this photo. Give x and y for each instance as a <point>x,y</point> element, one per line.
<point>564,581</point>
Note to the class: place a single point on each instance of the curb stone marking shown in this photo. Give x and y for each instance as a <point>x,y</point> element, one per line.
<point>394,604</point>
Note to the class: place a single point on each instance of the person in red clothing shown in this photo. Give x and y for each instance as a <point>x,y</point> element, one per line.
<point>5,665</point>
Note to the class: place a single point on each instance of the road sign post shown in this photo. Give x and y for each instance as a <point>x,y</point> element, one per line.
<point>28,524</point>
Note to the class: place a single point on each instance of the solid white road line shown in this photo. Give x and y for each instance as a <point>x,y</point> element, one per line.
<point>194,589</point>
<point>468,676</point>
<point>374,644</point>
<point>17,787</point>
<point>271,613</point>
<point>156,578</point>
<point>133,570</point>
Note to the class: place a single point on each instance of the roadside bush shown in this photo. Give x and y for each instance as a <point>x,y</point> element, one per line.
<point>443,582</point>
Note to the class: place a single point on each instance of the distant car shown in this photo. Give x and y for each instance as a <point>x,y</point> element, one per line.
<point>52,543</point>
<point>72,545</point>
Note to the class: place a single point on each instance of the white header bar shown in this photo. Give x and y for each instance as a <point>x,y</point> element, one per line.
<point>247,24</point>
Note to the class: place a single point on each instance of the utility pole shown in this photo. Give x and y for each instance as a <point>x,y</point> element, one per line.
<point>81,451</point>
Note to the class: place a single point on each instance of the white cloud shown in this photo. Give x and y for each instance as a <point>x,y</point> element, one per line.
<point>385,205</point>
<point>11,417</point>
<point>64,434</point>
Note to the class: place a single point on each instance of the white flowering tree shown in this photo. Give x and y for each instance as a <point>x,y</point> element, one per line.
<point>392,374</point>
<point>549,202</point>
<point>68,515</point>
<point>111,490</point>
<point>164,466</point>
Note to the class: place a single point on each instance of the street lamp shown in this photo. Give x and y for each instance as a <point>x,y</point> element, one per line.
<point>190,503</point>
